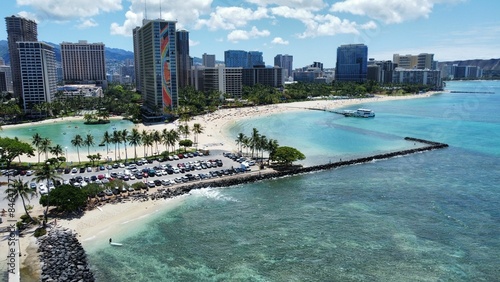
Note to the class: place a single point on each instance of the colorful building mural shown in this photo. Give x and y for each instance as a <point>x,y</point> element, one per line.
<point>165,61</point>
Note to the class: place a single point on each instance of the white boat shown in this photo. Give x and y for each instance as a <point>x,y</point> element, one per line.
<point>364,113</point>
<point>115,244</point>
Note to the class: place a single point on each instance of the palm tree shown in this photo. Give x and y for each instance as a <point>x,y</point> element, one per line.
<point>45,146</point>
<point>106,138</point>
<point>239,141</point>
<point>197,129</point>
<point>47,174</point>
<point>156,139</point>
<point>116,138</point>
<point>247,143</point>
<point>164,138</point>
<point>144,136</point>
<point>134,140</point>
<point>36,140</point>
<point>124,137</point>
<point>261,145</point>
<point>184,130</point>
<point>271,147</point>
<point>89,141</point>
<point>57,150</point>
<point>77,142</point>
<point>18,189</point>
<point>173,137</point>
<point>148,141</point>
<point>254,139</point>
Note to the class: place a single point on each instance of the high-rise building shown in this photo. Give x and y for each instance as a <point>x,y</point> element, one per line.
<point>285,62</point>
<point>351,63</point>
<point>425,61</point>
<point>418,76</point>
<point>18,29</point>
<point>236,58</point>
<point>83,62</point>
<point>208,60</point>
<point>223,79</point>
<point>38,74</point>
<point>421,61</point>
<point>272,77</point>
<point>5,78</point>
<point>155,53</point>
<point>183,59</point>
<point>255,59</point>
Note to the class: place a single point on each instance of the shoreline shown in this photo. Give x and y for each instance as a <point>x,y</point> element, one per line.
<point>120,217</point>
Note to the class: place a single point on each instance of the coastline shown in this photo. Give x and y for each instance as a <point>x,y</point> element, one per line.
<point>95,227</point>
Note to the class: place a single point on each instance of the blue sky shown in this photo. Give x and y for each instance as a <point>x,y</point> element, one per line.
<point>310,30</point>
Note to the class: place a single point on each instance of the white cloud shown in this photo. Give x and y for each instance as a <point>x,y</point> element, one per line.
<point>60,10</point>
<point>231,18</point>
<point>389,11</point>
<point>185,12</point>
<point>238,35</point>
<point>193,43</point>
<point>314,5</point>
<point>279,40</point>
<point>88,23</point>
<point>28,15</point>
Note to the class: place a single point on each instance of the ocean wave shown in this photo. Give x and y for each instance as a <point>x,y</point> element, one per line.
<point>212,193</point>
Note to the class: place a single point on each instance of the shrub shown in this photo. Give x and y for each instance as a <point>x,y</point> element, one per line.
<point>40,231</point>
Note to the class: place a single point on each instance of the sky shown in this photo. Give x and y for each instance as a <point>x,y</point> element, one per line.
<point>309,30</point>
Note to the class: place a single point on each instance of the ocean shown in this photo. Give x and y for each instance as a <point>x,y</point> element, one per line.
<point>432,216</point>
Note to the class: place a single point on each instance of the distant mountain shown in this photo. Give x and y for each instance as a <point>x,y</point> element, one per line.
<point>491,64</point>
<point>111,54</point>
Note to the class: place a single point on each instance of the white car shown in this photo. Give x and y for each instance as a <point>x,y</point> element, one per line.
<point>29,172</point>
<point>42,189</point>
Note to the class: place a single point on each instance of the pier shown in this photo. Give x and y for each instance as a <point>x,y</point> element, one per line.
<point>473,92</point>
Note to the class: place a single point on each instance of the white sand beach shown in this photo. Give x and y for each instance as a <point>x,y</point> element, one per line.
<point>95,227</point>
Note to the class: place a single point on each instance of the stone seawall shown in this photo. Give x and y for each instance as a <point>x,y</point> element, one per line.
<point>62,257</point>
<point>249,178</point>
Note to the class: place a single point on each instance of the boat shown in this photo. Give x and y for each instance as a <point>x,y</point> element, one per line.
<point>116,244</point>
<point>364,113</point>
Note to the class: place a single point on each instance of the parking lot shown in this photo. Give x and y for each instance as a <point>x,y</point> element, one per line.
<point>154,173</point>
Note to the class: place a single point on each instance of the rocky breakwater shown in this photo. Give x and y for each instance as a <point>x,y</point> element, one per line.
<point>62,257</point>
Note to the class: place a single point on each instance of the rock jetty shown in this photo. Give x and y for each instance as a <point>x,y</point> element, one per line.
<point>249,178</point>
<point>62,257</point>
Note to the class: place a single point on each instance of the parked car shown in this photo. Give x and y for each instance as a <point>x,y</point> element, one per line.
<point>33,185</point>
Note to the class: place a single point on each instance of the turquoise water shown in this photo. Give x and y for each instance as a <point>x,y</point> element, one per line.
<point>62,131</point>
<point>432,216</point>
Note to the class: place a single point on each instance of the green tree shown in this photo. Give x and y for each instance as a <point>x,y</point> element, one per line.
<point>36,140</point>
<point>117,139</point>
<point>124,137</point>
<point>13,148</point>
<point>66,198</point>
<point>254,139</point>
<point>186,143</point>
<point>45,147</point>
<point>287,155</point>
<point>173,137</point>
<point>18,189</point>
<point>46,174</point>
<point>57,150</point>
<point>89,141</point>
<point>156,138</point>
<point>106,139</point>
<point>135,140</point>
<point>77,141</point>
<point>239,141</point>
<point>197,129</point>
<point>94,157</point>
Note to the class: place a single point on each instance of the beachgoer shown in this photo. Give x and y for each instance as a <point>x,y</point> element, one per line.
<point>110,240</point>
